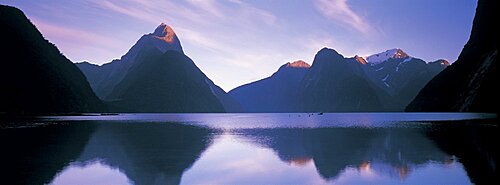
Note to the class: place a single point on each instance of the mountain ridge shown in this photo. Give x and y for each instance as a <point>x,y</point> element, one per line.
<point>122,82</point>
<point>36,77</point>
<point>387,85</point>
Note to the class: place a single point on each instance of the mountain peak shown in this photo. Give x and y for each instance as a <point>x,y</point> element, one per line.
<point>326,50</point>
<point>325,56</point>
<point>327,53</point>
<point>360,60</point>
<point>164,32</point>
<point>298,64</point>
<point>386,55</point>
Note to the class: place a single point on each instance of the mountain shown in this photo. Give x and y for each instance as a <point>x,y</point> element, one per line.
<point>156,76</point>
<point>400,76</point>
<point>395,53</point>
<point>386,81</point>
<point>35,77</point>
<point>469,84</point>
<point>277,93</point>
<point>104,78</point>
<point>337,84</point>
<point>164,82</point>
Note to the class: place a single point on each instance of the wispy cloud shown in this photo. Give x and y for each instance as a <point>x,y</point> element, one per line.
<point>201,40</point>
<point>209,6</point>
<point>250,11</point>
<point>77,40</point>
<point>200,22</point>
<point>132,12</point>
<point>191,11</point>
<point>340,12</point>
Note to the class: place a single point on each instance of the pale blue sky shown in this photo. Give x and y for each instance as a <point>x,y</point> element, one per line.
<point>236,42</point>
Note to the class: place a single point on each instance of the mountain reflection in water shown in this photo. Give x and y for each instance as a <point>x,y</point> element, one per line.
<point>153,152</point>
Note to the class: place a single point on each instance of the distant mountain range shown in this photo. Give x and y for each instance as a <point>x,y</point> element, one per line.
<point>386,81</point>
<point>35,77</point>
<point>156,76</point>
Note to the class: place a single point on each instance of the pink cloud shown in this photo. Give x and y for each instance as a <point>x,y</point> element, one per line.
<point>72,41</point>
<point>340,12</point>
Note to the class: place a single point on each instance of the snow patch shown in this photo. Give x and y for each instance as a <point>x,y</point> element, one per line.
<point>384,56</point>
<point>407,60</point>
<point>404,61</point>
<point>379,58</point>
<point>385,78</point>
<point>386,84</point>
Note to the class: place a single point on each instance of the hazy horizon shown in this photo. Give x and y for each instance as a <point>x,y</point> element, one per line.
<point>236,42</point>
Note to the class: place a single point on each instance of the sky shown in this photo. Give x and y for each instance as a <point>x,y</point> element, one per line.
<point>235,42</point>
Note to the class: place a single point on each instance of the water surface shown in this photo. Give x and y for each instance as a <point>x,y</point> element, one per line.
<point>344,148</point>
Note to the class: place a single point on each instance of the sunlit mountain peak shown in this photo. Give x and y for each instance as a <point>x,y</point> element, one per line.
<point>164,32</point>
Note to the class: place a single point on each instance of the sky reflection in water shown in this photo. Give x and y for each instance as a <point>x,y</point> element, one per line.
<point>147,151</point>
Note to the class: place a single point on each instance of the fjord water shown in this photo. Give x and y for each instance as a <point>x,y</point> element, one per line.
<point>343,148</point>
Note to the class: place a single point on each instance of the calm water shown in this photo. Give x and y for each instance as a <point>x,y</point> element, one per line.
<point>357,148</point>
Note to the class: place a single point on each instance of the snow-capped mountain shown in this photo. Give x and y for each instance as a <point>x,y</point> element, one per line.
<point>400,75</point>
<point>393,68</point>
<point>386,55</point>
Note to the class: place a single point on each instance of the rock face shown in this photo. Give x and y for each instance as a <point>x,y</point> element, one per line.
<point>156,76</point>
<point>277,93</point>
<point>35,77</point>
<point>470,83</point>
<point>386,81</point>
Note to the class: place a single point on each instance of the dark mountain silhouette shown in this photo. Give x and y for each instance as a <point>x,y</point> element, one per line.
<point>156,76</point>
<point>35,77</point>
<point>386,81</point>
<point>337,84</point>
<point>104,78</point>
<point>469,84</point>
<point>277,93</point>
<point>164,82</point>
